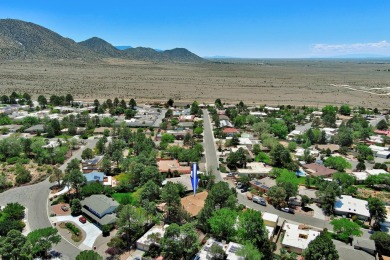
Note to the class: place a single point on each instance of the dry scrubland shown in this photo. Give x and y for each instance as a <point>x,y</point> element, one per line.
<point>272,82</point>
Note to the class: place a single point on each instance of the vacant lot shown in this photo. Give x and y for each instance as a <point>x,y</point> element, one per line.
<point>272,82</point>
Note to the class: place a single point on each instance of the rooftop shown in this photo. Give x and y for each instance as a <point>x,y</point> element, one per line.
<point>318,170</point>
<point>99,203</point>
<point>172,165</point>
<point>194,204</point>
<point>349,204</point>
<point>296,237</point>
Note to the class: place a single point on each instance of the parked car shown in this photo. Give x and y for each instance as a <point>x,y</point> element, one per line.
<point>64,208</point>
<point>244,189</point>
<point>288,210</point>
<point>249,195</point>
<point>239,185</point>
<point>259,200</point>
<point>83,220</point>
<point>230,174</point>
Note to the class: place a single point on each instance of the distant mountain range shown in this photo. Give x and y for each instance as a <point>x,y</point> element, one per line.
<point>25,40</point>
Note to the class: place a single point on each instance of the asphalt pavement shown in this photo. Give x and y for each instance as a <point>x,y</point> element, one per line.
<point>209,147</point>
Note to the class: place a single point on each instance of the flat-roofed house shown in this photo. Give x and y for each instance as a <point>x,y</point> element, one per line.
<point>348,206</point>
<point>296,238</point>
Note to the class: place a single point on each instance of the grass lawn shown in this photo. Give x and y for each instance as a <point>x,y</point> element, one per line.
<point>128,198</point>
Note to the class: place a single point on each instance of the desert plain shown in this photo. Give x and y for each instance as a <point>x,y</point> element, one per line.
<point>261,82</point>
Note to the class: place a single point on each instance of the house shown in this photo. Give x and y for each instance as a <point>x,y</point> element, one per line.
<point>362,176</point>
<point>182,179</point>
<point>186,118</point>
<point>297,237</point>
<point>258,114</point>
<point>374,139</point>
<point>270,222</point>
<point>383,151</point>
<point>144,242</point>
<point>269,108</point>
<point>383,154</point>
<point>229,249</point>
<point>230,131</point>
<point>317,170</point>
<point>257,168</point>
<point>166,166</point>
<point>332,147</point>
<point>35,129</point>
<point>93,164</point>
<point>383,132</point>
<point>348,206</point>
<point>12,128</point>
<point>293,134</point>
<point>225,123</point>
<point>300,152</point>
<point>194,204</point>
<point>100,130</point>
<point>100,208</point>
<point>262,185</point>
<point>95,177</point>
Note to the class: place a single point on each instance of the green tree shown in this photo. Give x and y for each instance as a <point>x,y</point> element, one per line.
<point>14,211</point>
<point>76,207</point>
<point>222,224</point>
<point>170,195</point>
<point>219,196</point>
<point>382,125</point>
<point>57,176</point>
<point>42,240</point>
<point>13,246</point>
<point>377,210</point>
<point>321,248</point>
<point>42,101</point>
<point>280,156</point>
<point>216,252</point>
<point>249,252</point>
<point>360,166</point>
<point>382,242</point>
<point>75,179</point>
<point>338,163</point>
<point>345,110</point>
<point>131,222</point>
<point>88,255</point>
<point>195,108</point>
<point>327,194</point>
<point>251,228</point>
<point>132,103</point>
<point>292,146</point>
<point>277,195</point>
<point>87,154</point>
<point>180,242</point>
<point>150,191</point>
<point>345,228</point>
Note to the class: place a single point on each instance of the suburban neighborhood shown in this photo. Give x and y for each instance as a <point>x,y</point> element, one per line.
<point>114,179</point>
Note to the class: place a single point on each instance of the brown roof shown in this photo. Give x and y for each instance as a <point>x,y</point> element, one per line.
<point>194,205</point>
<point>172,165</point>
<point>315,169</point>
<point>332,147</point>
<point>230,130</point>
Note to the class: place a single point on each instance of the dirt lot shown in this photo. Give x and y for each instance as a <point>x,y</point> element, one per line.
<point>269,82</point>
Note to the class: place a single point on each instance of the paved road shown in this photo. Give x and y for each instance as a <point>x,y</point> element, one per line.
<point>209,147</point>
<point>34,198</point>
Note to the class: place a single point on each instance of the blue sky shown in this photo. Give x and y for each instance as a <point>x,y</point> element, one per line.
<point>252,29</point>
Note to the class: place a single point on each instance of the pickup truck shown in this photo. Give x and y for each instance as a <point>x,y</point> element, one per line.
<point>259,200</point>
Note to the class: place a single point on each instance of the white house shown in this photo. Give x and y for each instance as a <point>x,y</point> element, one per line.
<point>349,206</point>
<point>296,239</point>
<point>270,222</point>
<point>145,241</point>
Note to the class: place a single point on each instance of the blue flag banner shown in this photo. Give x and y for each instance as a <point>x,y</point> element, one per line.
<point>194,177</point>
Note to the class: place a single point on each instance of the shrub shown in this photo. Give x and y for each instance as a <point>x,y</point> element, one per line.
<point>12,160</point>
<point>23,178</point>
<point>72,228</point>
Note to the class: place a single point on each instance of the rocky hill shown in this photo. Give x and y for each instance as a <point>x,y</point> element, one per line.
<point>101,47</point>
<point>24,40</point>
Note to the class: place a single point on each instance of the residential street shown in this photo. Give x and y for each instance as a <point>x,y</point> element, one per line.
<point>34,198</point>
<point>209,147</point>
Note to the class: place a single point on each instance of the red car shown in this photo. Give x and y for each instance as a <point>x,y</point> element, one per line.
<point>83,220</point>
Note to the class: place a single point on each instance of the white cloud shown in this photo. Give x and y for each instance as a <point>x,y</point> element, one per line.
<point>382,47</point>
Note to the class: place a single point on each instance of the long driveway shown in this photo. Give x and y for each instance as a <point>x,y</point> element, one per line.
<point>34,198</point>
